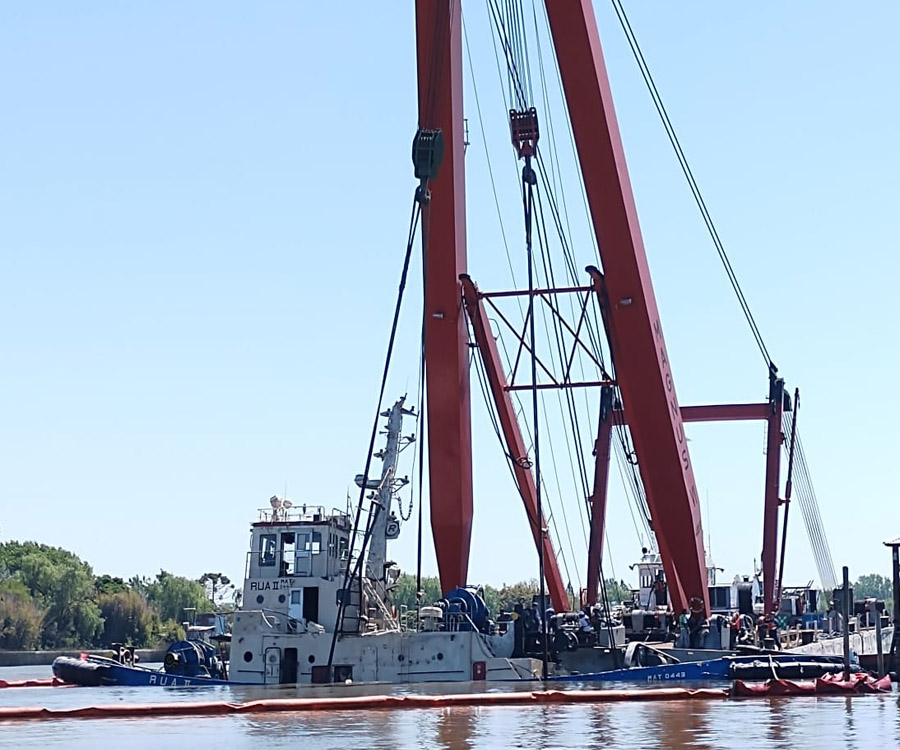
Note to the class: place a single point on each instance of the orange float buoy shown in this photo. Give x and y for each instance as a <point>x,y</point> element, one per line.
<point>49,682</point>
<point>364,702</point>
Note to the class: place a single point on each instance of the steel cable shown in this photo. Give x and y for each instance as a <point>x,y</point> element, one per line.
<point>689,175</point>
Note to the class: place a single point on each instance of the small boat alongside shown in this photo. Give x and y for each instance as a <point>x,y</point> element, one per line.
<point>186,663</point>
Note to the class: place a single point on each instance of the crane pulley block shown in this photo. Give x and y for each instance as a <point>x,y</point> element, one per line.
<point>523,127</point>
<point>427,153</point>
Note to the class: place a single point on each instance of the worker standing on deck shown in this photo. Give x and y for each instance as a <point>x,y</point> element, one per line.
<point>698,629</point>
<point>584,623</point>
<point>683,637</point>
<point>536,615</point>
<point>772,631</point>
<point>736,627</point>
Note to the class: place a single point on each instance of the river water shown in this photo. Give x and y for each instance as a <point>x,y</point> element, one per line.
<point>867,721</point>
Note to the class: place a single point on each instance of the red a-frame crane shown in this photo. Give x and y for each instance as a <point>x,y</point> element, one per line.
<point>638,345</point>
<point>625,292</point>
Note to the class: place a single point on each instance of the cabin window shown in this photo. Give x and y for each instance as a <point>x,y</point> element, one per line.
<point>266,550</point>
<point>315,546</point>
<point>287,554</point>
<point>311,603</point>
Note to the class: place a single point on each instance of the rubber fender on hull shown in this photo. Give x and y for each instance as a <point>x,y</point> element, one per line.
<point>80,671</point>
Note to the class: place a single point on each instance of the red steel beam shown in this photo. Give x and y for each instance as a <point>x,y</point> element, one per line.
<point>642,364</point>
<point>720,413</point>
<point>440,82</point>
<point>536,292</point>
<point>774,440</point>
<point>515,445</point>
<point>598,495</point>
<point>726,413</point>
<point>559,386</point>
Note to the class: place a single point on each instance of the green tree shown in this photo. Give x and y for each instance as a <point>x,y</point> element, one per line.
<point>172,595</point>
<point>219,590</point>
<point>404,591</point>
<point>107,584</point>
<point>168,631</point>
<point>20,619</point>
<point>617,592</point>
<point>126,618</point>
<point>873,585</point>
<point>140,585</point>
<point>508,595</point>
<point>61,586</point>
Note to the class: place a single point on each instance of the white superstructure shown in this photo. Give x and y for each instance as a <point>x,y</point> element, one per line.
<point>295,578</point>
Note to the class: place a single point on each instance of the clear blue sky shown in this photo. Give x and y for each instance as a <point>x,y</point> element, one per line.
<point>203,210</point>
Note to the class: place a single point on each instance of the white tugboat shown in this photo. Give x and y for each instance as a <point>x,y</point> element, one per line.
<point>291,620</point>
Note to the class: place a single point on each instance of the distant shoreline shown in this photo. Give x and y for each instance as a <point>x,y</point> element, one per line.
<point>45,658</point>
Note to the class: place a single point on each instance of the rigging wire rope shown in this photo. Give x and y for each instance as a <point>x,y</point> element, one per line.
<point>689,175</point>
<point>356,568</point>
<point>517,90</point>
<point>804,492</point>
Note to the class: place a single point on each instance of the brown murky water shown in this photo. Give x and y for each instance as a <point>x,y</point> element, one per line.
<point>805,722</point>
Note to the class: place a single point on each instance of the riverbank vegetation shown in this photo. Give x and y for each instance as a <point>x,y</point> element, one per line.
<point>50,599</point>
<point>499,599</point>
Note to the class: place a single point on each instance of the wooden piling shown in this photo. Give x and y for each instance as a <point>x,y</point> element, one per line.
<point>873,612</point>
<point>847,608</point>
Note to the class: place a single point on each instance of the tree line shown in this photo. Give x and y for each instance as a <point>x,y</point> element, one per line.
<point>501,599</point>
<point>504,598</point>
<point>50,598</point>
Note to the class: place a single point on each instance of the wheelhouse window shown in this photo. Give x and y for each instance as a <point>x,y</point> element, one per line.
<point>267,548</point>
<point>287,554</point>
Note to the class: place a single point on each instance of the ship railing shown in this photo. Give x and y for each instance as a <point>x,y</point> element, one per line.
<point>453,622</point>
<point>456,622</point>
<point>304,513</point>
<point>372,596</point>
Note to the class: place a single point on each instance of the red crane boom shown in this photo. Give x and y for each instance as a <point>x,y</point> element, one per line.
<point>439,53</point>
<point>642,364</point>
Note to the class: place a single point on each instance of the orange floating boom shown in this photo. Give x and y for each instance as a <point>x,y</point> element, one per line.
<point>356,703</point>
<point>43,682</point>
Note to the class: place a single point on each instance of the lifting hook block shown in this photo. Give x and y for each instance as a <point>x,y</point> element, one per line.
<point>523,126</point>
<point>427,153</point>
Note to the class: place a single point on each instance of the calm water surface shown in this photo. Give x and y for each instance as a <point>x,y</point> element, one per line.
<point>863,722</point>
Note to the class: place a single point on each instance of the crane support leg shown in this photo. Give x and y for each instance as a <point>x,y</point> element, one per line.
<point>440,81</point>
<point>515,445</point>
<point>775,438</point>
<point>639,349</point>
<point>598,496</point>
